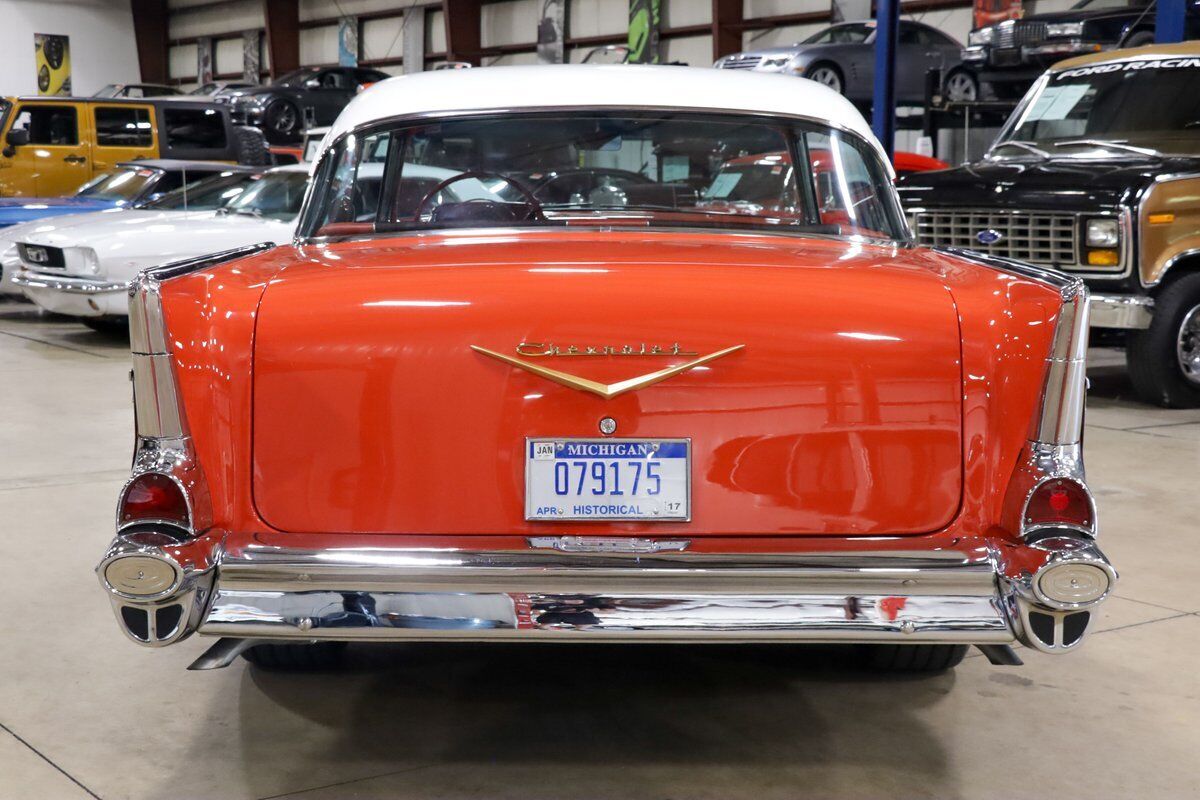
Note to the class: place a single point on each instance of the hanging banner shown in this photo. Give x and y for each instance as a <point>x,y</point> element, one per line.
<point>645,18</point>
<point>551,29</point>
<point>252,56</point>
<point>414,39</point>
<point>204,61</point>
<point>348,41</point>
<point>989,12</point>
<point>847,10</point>
<point>52,59</point>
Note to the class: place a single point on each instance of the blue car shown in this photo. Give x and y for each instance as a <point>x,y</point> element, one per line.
<point>131,183</point>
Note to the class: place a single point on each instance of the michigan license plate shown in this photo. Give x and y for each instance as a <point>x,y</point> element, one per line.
<point>648,480</point>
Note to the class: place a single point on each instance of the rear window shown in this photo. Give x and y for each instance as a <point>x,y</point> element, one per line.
<point>123,126</point>
<point>636,168</point>
<point>194,129</point>
<point>124,184</point>
<point>207,194</point>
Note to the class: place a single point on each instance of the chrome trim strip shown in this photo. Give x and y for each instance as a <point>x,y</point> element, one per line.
<point>1171,262</point>
<point>1067,285</point>
<point>1061,418</point>
<point>1127,312</point>
<point>613,544</point>
<point>39,280</point>
<point>158,410</point>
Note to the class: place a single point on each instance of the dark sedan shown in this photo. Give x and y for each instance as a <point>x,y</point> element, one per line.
<point>298,100</point>
<point>1009,56</point>
<point>843,58</point>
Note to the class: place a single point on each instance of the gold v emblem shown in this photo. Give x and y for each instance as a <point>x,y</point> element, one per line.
<point>606,390</point>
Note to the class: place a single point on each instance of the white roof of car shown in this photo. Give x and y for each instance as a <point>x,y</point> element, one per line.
<point>623,86</point>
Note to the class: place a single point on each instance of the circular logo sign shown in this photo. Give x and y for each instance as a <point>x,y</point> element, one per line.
<point>989,236</point>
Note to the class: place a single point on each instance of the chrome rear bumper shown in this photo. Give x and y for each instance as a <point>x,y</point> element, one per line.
<point>1127,312</point>
<point>535,595</point>
<point>379,594</point>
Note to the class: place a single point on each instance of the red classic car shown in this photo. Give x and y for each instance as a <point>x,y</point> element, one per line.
<point>451,410</point>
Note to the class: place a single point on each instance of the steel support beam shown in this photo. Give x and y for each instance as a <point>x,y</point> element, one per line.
<point>883,109</point>
<point>283,34</point>
<point>727,18</point>
<point>1169,21</point>
<point>464,30</point>
<point>153,42</point>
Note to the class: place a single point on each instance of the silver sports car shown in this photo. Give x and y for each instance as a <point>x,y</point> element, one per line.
<point>843,58</point>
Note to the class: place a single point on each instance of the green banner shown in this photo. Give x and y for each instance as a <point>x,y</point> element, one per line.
<point>644,19</point>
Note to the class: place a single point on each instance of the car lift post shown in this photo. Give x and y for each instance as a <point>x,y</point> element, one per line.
<point>1169,21</point>
<point>883,109</point>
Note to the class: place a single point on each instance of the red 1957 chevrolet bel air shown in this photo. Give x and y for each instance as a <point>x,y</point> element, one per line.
<point>464,406</point>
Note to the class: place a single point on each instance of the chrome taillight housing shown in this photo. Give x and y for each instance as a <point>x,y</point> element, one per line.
<point>168,486</point>
<point>1048,491</point>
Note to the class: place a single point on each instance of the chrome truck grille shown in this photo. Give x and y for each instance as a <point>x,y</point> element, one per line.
<point>1019,34</point>
<point>1045,238</point>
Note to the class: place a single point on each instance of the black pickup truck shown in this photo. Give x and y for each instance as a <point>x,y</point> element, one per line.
<point>1097,174</point>
<point>1011,54</point>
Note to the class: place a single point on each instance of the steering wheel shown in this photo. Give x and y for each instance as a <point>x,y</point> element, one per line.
<point>532,202</point>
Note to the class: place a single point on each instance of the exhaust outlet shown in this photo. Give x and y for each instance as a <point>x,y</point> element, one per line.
<point>157,601</point>
<point>1052,608</point>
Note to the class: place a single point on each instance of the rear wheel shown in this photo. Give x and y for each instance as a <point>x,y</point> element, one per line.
<point>296,657</point>
<point>282,121</point>
<point>1164,359</point>
<point>961,86</point>
<point>912,657</point>
<point>1009,90</point>
<point>826,74</point>
<point>1139,39</point>
<point>251,147</point>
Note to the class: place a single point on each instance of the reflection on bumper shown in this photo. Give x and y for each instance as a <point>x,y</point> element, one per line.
<point>972,596</point>
<point>76,297</point>
<point>1129,312</point>
<point>63,283</point>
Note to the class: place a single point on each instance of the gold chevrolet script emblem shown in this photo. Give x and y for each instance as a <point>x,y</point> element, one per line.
<point>606,390</point>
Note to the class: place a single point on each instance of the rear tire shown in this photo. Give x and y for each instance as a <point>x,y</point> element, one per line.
<point>827,74</point>
<point>250,147</point>
<point>110,325</point>
<point>282,122</point>
<point>912,657</point>
<point>961,86</point>
<point>1164,359</point>
<point>1009,90</point>
<point>1139,39</point>
<point>296,657</point>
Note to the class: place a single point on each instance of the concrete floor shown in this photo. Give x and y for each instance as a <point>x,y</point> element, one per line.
<point>84,713</point>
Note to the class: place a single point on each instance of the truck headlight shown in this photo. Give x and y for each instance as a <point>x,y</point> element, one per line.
<point>1103,233</point>
<point>982,36</point>
<point>1056,29</point>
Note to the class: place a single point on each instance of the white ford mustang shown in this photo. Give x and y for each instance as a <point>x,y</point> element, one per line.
<point>81,265</point>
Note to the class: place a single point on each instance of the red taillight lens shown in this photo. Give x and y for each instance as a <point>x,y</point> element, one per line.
<point>154,497</point>
<point>1059,502</point>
